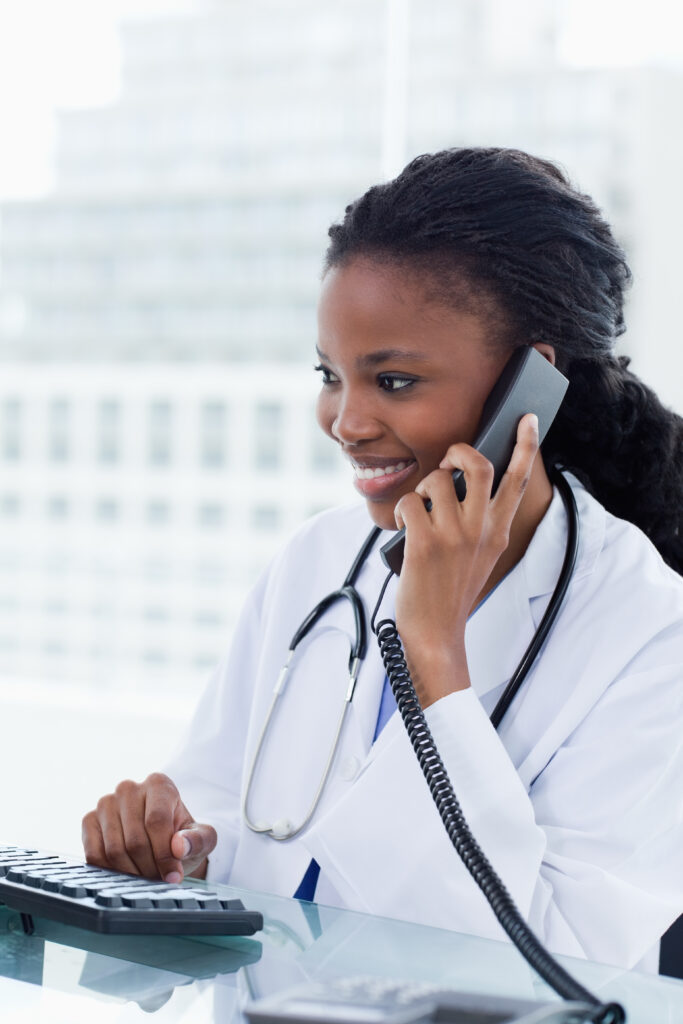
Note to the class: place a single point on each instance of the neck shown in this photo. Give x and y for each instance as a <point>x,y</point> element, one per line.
<point>533,506</point>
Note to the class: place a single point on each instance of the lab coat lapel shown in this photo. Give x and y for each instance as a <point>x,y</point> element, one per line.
<point>497,635</point>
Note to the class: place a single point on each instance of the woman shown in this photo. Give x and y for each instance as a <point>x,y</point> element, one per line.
<point>430,282</point>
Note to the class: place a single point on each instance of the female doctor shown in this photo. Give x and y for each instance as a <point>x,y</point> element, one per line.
<point>430,282</point>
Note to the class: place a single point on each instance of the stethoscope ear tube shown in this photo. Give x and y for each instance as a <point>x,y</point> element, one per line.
<point>555,603</point>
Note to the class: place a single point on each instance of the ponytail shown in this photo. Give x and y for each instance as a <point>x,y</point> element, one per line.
<point>614,434</point>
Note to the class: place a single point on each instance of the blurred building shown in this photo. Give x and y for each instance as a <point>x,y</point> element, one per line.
<point>137,508</point>
<point>189,218</point>
<point>185,231</point>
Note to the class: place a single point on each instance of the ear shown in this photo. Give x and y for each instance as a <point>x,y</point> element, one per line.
<point>546,350</point>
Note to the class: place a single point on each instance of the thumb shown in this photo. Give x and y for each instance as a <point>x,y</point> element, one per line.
<point>192,843</point>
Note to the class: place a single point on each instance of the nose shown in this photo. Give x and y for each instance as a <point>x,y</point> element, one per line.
<point>352,418</point>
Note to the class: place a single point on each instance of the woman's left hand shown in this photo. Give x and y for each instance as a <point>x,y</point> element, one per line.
<point>449,556</point>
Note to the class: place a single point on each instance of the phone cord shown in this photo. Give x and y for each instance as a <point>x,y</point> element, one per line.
<point>464,842</point>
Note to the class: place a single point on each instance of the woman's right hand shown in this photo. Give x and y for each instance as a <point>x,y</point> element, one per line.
<point>146,829</point>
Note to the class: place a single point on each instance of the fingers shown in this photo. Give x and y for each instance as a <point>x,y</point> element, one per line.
<point>438,487</point>
<point>114,854</point>
<point>163,809</point>
<point>93,842</point>
<point>516,477</point>
<point>134,828</point>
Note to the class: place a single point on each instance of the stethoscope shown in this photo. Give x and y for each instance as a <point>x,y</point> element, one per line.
<point>284,829</point>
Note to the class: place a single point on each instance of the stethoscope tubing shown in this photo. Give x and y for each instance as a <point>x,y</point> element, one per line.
<point>283,829</point>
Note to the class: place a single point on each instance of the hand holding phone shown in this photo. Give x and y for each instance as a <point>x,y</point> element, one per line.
<point>528,383</point>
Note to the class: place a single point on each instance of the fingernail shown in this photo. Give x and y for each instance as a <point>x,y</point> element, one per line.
<point>187,846</point>
<point>173,877</point>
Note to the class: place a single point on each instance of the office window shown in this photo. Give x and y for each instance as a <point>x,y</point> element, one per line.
<point>106,510</point>
<point>211,515</point>
<point>11,414</point>
<point>10,506</point>
<point>154,656</point>
<point>108,430</point>
<point>159,423</point>
<point>58,420</point>
<point>205,661</point>
<point>156,570</point>
<point>155,613</point>
<point>208,618</point>
<point>268,427</point>
<point>212,437</point>
<point>57,507</point>
<point>210,574</point>
<point>157,512</point>
<point>265,517</point>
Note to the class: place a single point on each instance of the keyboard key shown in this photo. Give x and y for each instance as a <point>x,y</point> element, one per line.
<point>207,901</point>
<point>72,889</point>
<point>182,899</point>
<point>232,905</point>
<point>16,874</point>
<point>27,862</point>
<point>140,900</point>
<point>108,898</point>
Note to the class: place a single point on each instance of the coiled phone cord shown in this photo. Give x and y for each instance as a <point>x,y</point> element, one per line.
<point>462,839</point>
<point>464,842</point>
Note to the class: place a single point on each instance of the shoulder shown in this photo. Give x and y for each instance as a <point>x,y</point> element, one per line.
<point>622,582</point>
<point>318,555</point>
<point>332,532</point>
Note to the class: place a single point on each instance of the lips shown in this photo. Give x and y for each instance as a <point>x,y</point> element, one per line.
<point>377,477</point>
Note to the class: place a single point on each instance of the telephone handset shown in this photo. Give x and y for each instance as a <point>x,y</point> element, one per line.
<point>528,383</point>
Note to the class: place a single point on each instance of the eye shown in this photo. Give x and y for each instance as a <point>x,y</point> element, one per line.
<point>394,381</point>
<point>327,376</point>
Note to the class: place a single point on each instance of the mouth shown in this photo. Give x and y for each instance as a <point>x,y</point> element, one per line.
<point>379,477</point>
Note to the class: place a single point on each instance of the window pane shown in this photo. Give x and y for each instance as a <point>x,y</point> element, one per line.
<point>159,437</point>
<point>268,435</point>
<point>108,430</point>
<point>212,438</point>
<point>11,428</point>
<point>58,418</point>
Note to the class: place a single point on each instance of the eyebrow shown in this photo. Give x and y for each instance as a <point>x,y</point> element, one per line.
<point>384,355</point>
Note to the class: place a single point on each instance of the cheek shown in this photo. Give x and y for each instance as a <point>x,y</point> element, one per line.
<point>324,413</point>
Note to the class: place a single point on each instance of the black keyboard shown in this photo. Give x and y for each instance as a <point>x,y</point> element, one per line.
<point>47,885</point>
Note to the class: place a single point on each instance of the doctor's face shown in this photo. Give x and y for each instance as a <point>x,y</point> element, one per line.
<point>403,377</point>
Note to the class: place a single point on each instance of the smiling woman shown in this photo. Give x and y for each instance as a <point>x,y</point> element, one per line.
<point>403,378</point>
<point>430,283</point>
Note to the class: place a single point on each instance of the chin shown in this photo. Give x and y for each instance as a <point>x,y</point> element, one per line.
<point>381,515</point>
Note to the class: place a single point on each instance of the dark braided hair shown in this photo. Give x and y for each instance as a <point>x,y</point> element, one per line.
<point>502,233</point>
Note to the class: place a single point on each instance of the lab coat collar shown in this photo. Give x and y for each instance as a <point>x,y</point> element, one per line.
<point>500,630</point>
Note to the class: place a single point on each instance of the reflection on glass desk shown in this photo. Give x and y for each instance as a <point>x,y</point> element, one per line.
<point>64,974</point>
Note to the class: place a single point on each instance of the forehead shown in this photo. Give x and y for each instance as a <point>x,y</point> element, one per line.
<point>365,304</point>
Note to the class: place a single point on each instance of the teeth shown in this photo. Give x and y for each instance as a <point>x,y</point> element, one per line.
<point>370,474</point>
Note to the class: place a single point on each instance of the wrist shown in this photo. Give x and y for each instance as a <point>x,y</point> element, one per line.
<point>438,673</point>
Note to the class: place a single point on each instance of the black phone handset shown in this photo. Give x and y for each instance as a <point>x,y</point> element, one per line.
<point>528,383</point>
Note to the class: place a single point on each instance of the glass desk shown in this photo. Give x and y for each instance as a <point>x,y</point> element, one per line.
<point>63,975</point>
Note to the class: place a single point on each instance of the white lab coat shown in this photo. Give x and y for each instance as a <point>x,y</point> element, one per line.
<point>577,801</point>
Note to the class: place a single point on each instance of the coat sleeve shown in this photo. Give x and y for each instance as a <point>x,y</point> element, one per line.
<point>207,767</point>
<point>591,854</point>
